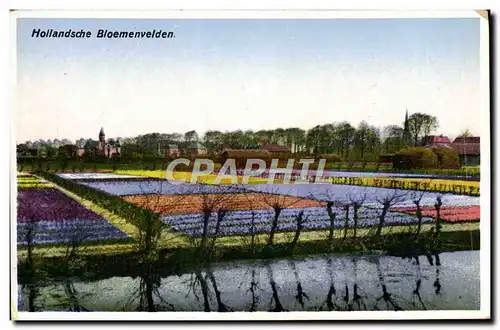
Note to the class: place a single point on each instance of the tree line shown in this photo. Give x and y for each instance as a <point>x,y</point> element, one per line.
<point>363,142</point>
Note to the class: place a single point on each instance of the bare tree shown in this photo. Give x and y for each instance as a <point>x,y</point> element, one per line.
<point>210,202</point>
<point>387,202</point>
<point>437,206</point>
<point>75,246</point>
<point>346,220</point>
<point>357,202</point>
<point>299,220</point>
<point>416,197</point>
<point>221,214</point>
<point>332,203</point>
<point>252,230</point>
<point>159,203</point>
<point>254,209</point>
<point>277,201</point>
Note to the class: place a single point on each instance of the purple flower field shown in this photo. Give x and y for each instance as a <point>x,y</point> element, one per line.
<point>47,216</point>
<point>315,218</point>
<point>67,231</point>
<point>155,186</point>
<point>50,204</point>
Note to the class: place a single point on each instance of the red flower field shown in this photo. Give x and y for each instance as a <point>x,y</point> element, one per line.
<point>448,213</point>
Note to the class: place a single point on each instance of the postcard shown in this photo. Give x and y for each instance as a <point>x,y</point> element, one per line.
<point>250,165</point>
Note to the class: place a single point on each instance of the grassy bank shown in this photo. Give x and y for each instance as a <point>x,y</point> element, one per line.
<point>173,241</point>
<point>179,260</point>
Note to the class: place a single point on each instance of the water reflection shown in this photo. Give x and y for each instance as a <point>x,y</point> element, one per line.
<point>278,307</point>
<point>328,283</point>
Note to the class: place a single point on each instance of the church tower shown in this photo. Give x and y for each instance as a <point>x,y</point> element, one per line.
<point>102,140</point>
<point>406,130</point>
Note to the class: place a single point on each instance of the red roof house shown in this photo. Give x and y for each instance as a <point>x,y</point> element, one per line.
<point>276,150</point>
<point>436,139</point>
<point>468,149</point>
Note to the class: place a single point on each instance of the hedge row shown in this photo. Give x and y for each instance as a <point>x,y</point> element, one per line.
<point>426,158</point>
<point>136,215</point>
<point>447,158</point>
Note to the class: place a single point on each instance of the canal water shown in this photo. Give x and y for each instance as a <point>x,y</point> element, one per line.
<point>448,281</point>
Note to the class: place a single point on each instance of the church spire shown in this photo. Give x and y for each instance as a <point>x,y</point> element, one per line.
<point>406,129</point>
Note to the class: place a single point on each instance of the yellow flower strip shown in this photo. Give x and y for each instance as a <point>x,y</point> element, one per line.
<point>452,186</point>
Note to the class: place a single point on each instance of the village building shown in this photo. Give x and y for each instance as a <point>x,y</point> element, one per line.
<point>276,151</point>
<point>242,155</point>
<point>468,148</point>
<point>196,149</point>
<point>172,151</point>
<point>101,148</point>
<point>435,141</point>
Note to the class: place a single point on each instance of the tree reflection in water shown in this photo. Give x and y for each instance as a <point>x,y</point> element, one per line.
<point>348,295</point>
<point>329,302</point>
<point>253,289</point>
<point>356,298</point>
<point>300,292</point>
<point>200,279</point>
<point>386,296</point>
<point>356,302</point>
<point>33,293</point>
<point>149,288</point>
<point>221,307</point>
<point>418,283</point>
<point>437,284</point>
<point>71,300</point>
<point>278,307</point>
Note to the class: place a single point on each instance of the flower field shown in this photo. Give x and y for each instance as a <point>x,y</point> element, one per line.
<point>47,216</point>
<point>95,176</point>
<point>28,181</point>
<point>155,187</point>
<point>248,209</point>
<point>447,213</point>
<point>259,221</point>
<point>185,176</point>
<point>345,193</point>
<point>249,206</point>
<point>442,186</point>
<point>194,203</point>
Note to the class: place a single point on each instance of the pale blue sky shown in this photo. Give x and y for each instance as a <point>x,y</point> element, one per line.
<point>246,74</point>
